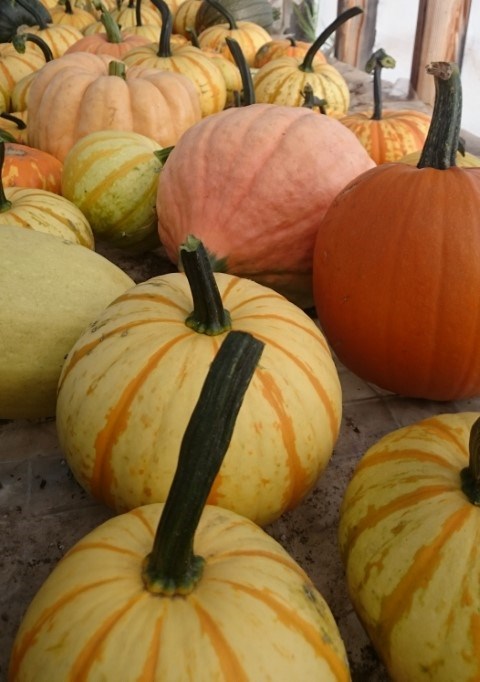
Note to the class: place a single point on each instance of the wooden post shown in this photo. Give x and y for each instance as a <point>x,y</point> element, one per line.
<point>440,36</point>
<point>354,41</point>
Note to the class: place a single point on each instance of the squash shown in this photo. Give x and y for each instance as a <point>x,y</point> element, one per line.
<point>184,17</point>
<point>120,429</point>
<point>231,200</point>
<point>51,290</point>
<point>68,13</point>
<point>388,134</point>
<point>16,13</point>
<point>285,47</point>
<point>149,31</point>
<point>183,591</point>
<point>58,37</point>
<point>14,126</point>
<point>81,93</point>
<point>25,166</point>
<point>112,177</point>
<point>125,15</point>
<point>408,538</point>
<point>282,80</point>
<point>462,159</point>
<point>259,12</point>
<point>18,60</point>
<point>416,334</point>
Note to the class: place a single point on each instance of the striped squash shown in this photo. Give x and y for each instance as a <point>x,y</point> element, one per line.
<point>409,525</point>
<point>130,382</point>
<point>15,66</point>
<point>133,601</point>
<point>58,37</point>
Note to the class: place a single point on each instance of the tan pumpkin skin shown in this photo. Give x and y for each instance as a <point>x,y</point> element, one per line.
<point>184,17</point>
<point>15,66</point>
<point>59,37</point>
<point>98,43</point>
<point>409,541</point>
<point>120,429</point>
<point>74,94</point>
<point>254,615</point>
<point>249,36</point>
<point>44,211</point>
<point>259,211</point>
<point>396,134</point>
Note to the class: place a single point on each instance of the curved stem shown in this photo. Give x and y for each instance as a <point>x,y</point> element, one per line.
<point>5,204</point>
<point>21,125</point>
<point>232,24</point>
<point>208,316</point>
<point>248,96</point>
<point>470,476</point>
<point>310,100</point>
<point>378,61</point>
<point>164,49</point>
<point>19,43</point>
<point>307,64</point>
<point>112,29</point>
<point>138,13</point>
<point>441,145</point>
<point>172,567</point>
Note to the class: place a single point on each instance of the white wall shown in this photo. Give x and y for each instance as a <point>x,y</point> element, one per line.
<point>396,25</point>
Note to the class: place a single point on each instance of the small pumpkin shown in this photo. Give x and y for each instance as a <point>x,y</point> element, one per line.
<point>67,13</point>
<point>184,17</point>
<point>58,37</point>
<point>51,290</point>
<point>282,80</point>
<point>19,59</point>
<point>118,381</point>
<point>416,334</point>
<point>408,527</point>
<point>149,31</point>
<point>387,134</point>
<point>183,577</point>
<point>25,166</point>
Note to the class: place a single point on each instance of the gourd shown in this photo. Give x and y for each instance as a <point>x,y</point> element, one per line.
<point>51,290</point>
<point>416,334</point>
<point>112,177</point>
<point>16,61</point>
<point>183,592</point>
<point>129,384</point>
<point>70,14</point>
<point>58,37</point>
<point>25,166</point>
<point>408,538</point>
<point>232,199</point>
<point>285,47</point>
<point>387,134</point>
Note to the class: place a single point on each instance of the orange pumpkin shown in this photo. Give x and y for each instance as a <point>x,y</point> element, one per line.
<point>396,267</point>
<point>285,47</point>
<point>387,135</point>
<point>25,166</point>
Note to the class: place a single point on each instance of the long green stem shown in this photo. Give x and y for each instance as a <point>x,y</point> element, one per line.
<point>441,145</point>
<point>19,42</point>
<point>112,29</point>
<point>470,476</point>
<point>378,61</point>
<point>5,204</point>
<point>307,63</point>
<point>172,567</point>
<point>208,316</point>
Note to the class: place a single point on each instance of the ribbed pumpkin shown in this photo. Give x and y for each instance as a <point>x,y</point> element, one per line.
<point>187,60</point>
<point>129,384</point>
<point>112,177</point>
<point>395,271</point>
<point>149,31</point>
<point>259,12</point>
<point>70,15</point>
<point>184,17</point>
<point>249,36</point>
<point>409,540</point>
<point>182,577</point>
<point>42,211</point>
<point>250,210</point>
<point>57,37</point>
<point>81,93</point>
<point>125,14</point>
<point>15,65</point>
<point>14,126</point>
<point>285,47</point>
<point>283,80</point>
<point>388,134</point>
<point>25,166</point>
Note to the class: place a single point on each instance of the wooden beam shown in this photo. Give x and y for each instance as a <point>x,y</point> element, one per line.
<point>354,41</point>
<point>440,36</point>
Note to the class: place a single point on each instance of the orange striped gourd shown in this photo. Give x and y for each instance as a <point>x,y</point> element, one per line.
<point>409,539</point>
<point>182,592</point>
<point>130,382</point>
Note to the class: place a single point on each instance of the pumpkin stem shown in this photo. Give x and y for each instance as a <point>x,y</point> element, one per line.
<point>21,125</point>
<point>112,29</point>
<point>138,13</point>
<point>68,7</point>
<point>19,42</point>
<point>307,64</point>
<point>248,91</point>
<point>310,100</point>
<point>441,145</point>
<point>208,316</point>
<point>117,69</point>
<point>378,61</point>
<point>470,476</point>
<point>164,49</point>
<point>232,24</point>
<point>172,567</point>
<point>5,204</point>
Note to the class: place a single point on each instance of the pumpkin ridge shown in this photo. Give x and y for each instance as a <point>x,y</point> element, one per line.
<point>282,318</point>
<point>106,547</point>
<point>264,554</point>
<point>386,456</point>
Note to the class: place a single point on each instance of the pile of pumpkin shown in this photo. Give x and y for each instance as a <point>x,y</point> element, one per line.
<point>202,404</point>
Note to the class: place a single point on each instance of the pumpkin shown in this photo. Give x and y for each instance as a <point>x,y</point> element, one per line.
<point>25,166</point>
<point>125,15</point>
<point>183,577</point>
<point>259,12</point>
<point>68,14</point>
<point>18,60</point>
<point>462,159</point>
<point>185,59</point>
<point>416,333</point>
<point>407,533</point>
<point>112,177</point>
<point>389,134</point>
<point>285,47</point>
<point>42,211</point>
<point>16,13</point>
<point>81,93</point>
<point>184,17</point>
<point>249,36</point>
<point>58,37</point>
<point>282,80</point>
<point>113,42</point>
<point>14,126</point>
<point>51,290</point>
<point>232,199</point>
<point>149,31</point>
<point>118,381</point>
